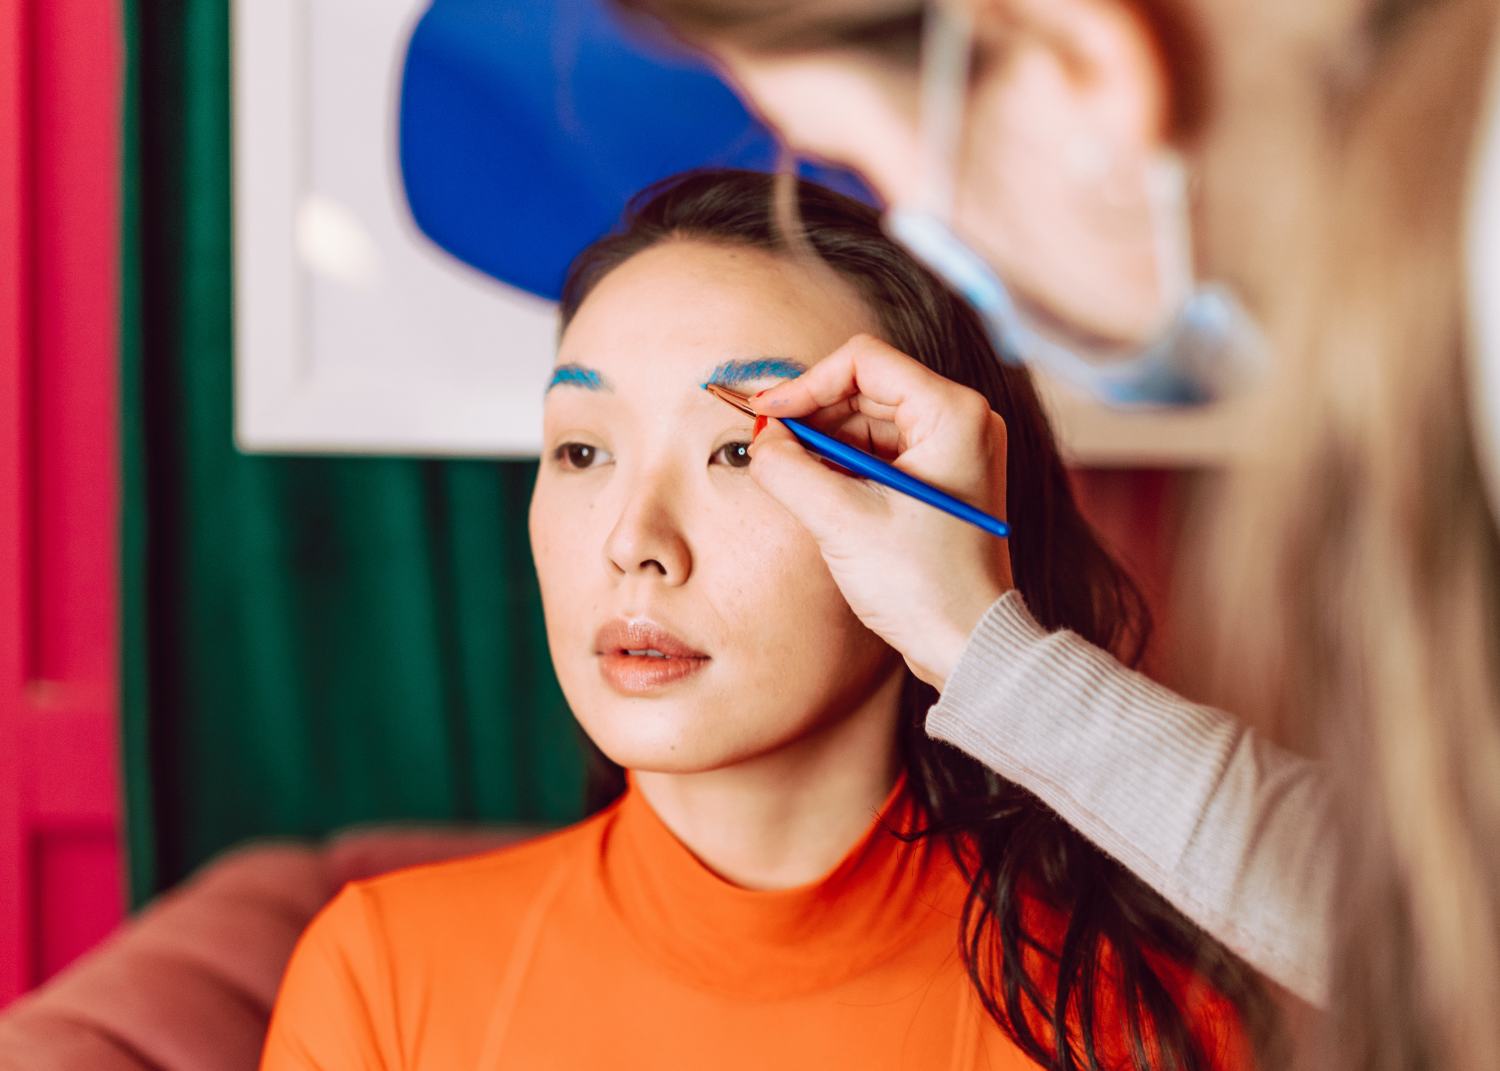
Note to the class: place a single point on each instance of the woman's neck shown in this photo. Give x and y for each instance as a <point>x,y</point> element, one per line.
<point>786,818</point>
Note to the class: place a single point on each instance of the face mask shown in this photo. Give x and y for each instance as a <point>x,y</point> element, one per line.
<point>1209,350</point>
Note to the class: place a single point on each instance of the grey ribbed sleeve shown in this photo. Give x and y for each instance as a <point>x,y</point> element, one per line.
<point>1232,830</point>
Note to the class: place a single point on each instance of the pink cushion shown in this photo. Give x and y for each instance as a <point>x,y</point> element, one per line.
<point>189,983</point>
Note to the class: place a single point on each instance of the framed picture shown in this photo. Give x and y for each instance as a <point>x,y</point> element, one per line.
<point>354,333</point>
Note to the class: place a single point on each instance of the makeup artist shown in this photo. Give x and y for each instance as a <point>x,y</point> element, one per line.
<point>1231,829</point>
<point>1361,541</point>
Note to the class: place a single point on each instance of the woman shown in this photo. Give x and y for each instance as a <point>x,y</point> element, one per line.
<point>737,907</point>
<point>1358,558</point>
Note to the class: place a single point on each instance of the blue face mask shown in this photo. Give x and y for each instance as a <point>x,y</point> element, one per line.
<point>1210,350</point>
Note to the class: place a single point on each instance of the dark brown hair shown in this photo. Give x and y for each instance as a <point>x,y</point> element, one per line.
<point>1011,844</point>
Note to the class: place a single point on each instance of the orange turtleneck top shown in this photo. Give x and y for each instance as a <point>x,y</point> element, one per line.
<point>609,945</point>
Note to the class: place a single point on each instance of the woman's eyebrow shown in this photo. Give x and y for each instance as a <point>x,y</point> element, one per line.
<point>577,375</point>
<point>733,373</point>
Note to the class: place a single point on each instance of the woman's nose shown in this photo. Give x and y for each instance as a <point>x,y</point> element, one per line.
<point>646,541</point>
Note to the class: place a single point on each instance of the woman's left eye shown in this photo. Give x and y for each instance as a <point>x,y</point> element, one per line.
<point>735,455</point>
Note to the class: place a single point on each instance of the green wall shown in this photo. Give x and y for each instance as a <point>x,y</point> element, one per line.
<point>308,642</point>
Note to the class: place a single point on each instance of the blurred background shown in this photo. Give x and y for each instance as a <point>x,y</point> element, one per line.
<point>275,283</point>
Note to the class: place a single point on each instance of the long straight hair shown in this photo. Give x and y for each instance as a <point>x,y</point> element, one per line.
<point>1373,587</point>
<point>1012,846</point>
<point>1355,585</point>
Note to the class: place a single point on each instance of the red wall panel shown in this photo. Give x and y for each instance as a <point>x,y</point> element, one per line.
<point>15,343</point>
<point>61,880</point>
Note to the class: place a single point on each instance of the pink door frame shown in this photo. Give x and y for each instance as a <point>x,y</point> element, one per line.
<point>61,873</point>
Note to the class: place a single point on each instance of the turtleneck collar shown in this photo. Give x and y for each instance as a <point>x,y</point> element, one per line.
<point>884,895</point>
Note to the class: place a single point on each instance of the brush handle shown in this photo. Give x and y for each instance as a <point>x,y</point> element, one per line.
<point>872,468</point>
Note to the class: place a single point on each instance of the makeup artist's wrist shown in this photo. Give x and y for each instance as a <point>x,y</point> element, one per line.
<point>948,638</point>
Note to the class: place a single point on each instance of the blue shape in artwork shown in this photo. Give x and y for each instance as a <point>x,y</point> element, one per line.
<point>526,126</point>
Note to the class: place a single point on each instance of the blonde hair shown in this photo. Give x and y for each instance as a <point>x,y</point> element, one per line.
<point>1361,558</point>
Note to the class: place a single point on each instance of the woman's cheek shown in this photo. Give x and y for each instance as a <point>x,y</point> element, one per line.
<point>772,577</point>
<point>827,630</point>
<point>558,531</point>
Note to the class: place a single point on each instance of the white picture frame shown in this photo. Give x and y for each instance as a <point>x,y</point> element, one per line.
<point>354,334</point>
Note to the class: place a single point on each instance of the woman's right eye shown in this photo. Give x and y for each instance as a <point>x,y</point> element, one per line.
<point>581,455</point>
<point>735,455</point>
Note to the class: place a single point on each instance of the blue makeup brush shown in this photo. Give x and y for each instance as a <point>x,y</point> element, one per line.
<point>871,468</point>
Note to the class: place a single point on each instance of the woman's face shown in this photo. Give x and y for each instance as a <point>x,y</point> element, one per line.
<point>1066,106</point>
<point>692,622</point>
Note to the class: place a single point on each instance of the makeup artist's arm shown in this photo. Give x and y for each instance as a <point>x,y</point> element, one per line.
<point>1230,829</point>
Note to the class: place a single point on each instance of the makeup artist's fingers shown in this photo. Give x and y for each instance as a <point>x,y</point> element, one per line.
<point>878,380</point>
<point>939,432</point>
<point>878,437</point>
<point>834,381</point>
<point>917,577</point>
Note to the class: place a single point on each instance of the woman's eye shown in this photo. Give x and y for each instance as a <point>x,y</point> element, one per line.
<point>581,455</point>
<point>735,455</point>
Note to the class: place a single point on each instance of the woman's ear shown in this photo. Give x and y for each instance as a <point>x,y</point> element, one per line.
<point>1067,117</point>
<point>1091,63</point>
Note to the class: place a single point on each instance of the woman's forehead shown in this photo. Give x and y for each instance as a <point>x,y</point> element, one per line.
<point>689,310</point>
<point>721,276</point>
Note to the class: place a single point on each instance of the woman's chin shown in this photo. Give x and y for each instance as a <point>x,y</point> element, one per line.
<point>686,737</point>
<point>645,753</point>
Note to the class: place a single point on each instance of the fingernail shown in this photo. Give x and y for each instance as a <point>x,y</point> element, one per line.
<point>760,426</point>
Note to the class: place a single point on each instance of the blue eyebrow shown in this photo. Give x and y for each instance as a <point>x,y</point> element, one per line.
<point>733,373</point>
<point>576,375</point>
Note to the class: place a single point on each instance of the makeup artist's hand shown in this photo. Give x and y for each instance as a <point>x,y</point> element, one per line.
<point>916,576</point>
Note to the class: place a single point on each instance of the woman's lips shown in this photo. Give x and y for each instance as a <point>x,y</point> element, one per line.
<point>637,657</point>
